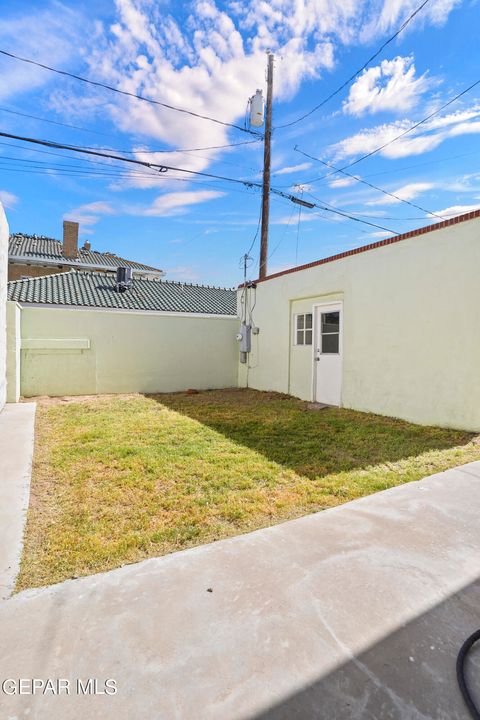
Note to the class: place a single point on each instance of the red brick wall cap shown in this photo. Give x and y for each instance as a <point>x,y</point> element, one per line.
<point>381,243</point>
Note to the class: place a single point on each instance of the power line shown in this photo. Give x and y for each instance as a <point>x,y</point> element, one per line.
<point>385,217</point>
<point>160,168</point>
<point>165,168</point>
<point>125,92</point>
<point>351,217</point>
<point>82,159</point>
<point>78,170</point>
<point>365,182</point>
<point>52,122</point>
<point>187,150</point>
<point>256,233</point>
<point>52,172</point>
<point>287,225</point>
<point>402,134</point>
<point>298,232</point>
<point>393,171</point>
<point>79,173</point>
<point>331,209</point>
<point>129,152</point>
<point>357,72</point>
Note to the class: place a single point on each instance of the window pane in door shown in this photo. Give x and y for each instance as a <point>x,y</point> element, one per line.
<point>331,322</point>
<point>330,344</point>
<point>300,322</point>
<point>308,337</point>
<point>308,321</point>
<point>299,337</point>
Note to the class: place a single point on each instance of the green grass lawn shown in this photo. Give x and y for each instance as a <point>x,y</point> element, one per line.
<point>119,479</point>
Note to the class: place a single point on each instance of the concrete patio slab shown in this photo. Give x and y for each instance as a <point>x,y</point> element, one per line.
<point>356,612</point>
<point>16,450</point>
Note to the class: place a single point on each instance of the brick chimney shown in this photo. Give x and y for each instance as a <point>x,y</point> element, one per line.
<point>70,239</point>
<point>86,245</point>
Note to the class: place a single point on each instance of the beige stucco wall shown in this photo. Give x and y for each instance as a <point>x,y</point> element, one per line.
<point>3,305</point>
<point>411,341</point>
<point>69,351</point>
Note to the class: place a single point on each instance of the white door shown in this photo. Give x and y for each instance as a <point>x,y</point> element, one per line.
<point>328,354</point>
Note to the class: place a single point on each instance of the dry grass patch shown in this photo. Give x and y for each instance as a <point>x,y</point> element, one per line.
<point>121,478</point>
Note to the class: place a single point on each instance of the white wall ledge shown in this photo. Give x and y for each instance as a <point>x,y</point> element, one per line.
<point>55,344</point>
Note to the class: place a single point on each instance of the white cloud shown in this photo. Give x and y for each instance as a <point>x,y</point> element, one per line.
<point>305,216</point>
<point>211,63</point>
<point>293,168</point>
<point>8,199</point>
<point>176,203</point>
<point>407,192</point>
<point>394,12</point>
<point>89,214</point>
<point>392,86</point>
<point>342,182</point>
<point>205,67</point>
<point>457,210</point>
<point>50,35</point>
<point>216,59</point>
<point>381,233</point>
<point>425,138</point>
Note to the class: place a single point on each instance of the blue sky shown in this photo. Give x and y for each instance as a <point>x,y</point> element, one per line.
<point>209,58</point>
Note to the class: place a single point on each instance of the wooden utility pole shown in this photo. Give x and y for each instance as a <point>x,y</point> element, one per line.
<point>266,170</point>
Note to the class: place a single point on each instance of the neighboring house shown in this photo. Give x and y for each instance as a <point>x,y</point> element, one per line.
<point>77,335</point>
<point>36,255</point>
<point>391,328</point>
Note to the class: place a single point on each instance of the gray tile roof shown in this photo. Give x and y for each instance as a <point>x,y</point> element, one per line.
<point>39,247</point>
<point>97,289</point>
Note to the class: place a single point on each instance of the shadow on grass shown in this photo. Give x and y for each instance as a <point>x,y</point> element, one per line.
<point>313,443</point>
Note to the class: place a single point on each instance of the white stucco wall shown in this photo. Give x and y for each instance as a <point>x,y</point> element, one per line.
<point>411,342</point>
<point>3,305</point>
<point>68,351</point>
<point>13,351</point>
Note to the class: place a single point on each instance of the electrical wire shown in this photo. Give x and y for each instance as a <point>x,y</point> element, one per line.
<point>370,185</point>
<point>393,171</point>
<point>298,232</point>
<point>53,172</point>
<point>49,152</point>
<point>256,232</point>
<point>72,170</point>
<point>97,83</point>
<point>52,122</point>
<point>164,168</point>
<point>350,217</point>
<point>287,225</point>
<point>160,167</point>
<point>402,134</point>
<point>188,150</point>
<point>131,152</point>
<point>357,72</point>
<point>426,162</point>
